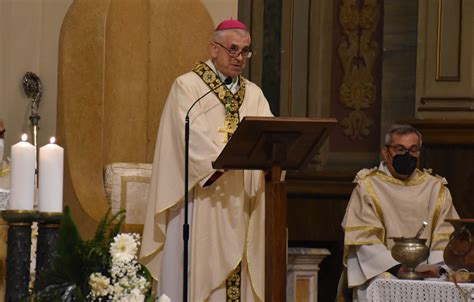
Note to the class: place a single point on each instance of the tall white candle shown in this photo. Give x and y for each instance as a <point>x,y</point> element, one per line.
<point>2,146</point>
<point>22,176</point>
<point>51,167</point>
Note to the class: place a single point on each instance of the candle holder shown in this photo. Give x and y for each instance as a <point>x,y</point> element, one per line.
<point>48,234</point>
<point>18,253</point>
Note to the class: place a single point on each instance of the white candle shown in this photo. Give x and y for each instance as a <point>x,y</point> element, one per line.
<point>2,146</point>
<point>51,164</point>
<point>22,176</point>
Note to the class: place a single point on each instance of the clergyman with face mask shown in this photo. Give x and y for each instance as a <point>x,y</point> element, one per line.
<point>392,200</point>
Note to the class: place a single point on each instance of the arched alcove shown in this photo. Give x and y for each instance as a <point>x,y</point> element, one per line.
<point>117,60</point>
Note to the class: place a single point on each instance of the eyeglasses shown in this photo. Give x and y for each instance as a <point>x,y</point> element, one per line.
<point>401,150</point>
<point>234,52</point>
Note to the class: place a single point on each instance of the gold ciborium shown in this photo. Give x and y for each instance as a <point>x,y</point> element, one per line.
<point>409,252</point>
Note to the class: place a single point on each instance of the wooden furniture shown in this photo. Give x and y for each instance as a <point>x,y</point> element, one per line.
<point>274,144</point>
<point>448,149</point>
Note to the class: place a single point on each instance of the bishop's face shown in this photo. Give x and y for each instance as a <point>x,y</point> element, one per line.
<point>230,42</point>
<point>404,145</point>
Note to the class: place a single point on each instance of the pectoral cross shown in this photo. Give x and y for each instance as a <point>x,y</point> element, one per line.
<point>230,125</point>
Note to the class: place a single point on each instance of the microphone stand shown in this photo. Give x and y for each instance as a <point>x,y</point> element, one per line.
<point>186,185</point>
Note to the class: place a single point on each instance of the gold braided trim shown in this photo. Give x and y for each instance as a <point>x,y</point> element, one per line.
<point>369,242</point>
<point>376,231</point>
<point>438,206</point>
<point>4,171</point>
<point>440,237</point>
<point>362,174</point>
<point>376,202</point>
<point>362,228</point>
<point>344,255</point>
<point>231,102</point>
<point>233,285</point>
<point>439,241</point>
<point>419,178</point>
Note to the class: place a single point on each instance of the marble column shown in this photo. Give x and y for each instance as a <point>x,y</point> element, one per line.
<point>302,276</point>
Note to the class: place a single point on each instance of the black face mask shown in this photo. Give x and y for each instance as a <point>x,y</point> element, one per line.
<point>404,164</point>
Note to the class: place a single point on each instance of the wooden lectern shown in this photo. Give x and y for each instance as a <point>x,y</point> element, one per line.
<point>274,144</point>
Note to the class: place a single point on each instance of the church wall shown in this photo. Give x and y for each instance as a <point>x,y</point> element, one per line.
<point>30,32</point>
<point>29,39</point>
<point>445,86</point>
<point>399,61</point>
<point>444,95</point>
<point>29,35</point>
<point>110,108</point>
<point>448,149</point>
<point>310,76</point>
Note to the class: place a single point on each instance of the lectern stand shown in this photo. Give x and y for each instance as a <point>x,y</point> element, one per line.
<point>274,144</point>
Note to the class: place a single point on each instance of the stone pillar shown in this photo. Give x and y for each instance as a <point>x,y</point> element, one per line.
<point>48,236</point>
<point>302,276</point>
<point>18,253</point>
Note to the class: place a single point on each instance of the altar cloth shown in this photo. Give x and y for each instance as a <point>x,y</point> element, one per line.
<point>391,290</point>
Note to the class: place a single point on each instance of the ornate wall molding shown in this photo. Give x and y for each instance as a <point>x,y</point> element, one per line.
<point>358,51</point>
<point>444,131</point>
<point>446,104</point>
<point>448,40</point>
<point>444,71</point>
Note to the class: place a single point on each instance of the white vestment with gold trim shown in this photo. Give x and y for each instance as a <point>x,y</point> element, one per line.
<point>226,218</point>
<point>382,207</point>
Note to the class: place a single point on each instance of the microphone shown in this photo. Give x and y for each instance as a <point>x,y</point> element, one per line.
<point>227,81</point>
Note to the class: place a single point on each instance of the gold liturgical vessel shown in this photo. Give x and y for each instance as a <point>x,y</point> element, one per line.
<point>410,252</point>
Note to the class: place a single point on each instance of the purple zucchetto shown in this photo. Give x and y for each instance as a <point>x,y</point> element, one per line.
<point>231,24</point>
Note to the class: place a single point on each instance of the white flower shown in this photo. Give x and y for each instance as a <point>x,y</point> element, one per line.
<point>164,298</point>
<point>99,285</point>
<point>124,247</point>
<point>134,296</point>
<point>126,283</point>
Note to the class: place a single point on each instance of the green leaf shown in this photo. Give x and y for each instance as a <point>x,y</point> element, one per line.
<point>67,264</point>
<point>76,259</point>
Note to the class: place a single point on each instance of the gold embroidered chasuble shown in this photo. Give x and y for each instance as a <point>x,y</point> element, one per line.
<point>227,225</point>
<point>382,207</point>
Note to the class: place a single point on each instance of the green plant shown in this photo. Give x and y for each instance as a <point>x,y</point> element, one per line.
<point>77,260</point>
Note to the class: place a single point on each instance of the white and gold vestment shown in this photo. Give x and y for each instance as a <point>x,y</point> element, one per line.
<point>226,218</point>
<point>382,207</point>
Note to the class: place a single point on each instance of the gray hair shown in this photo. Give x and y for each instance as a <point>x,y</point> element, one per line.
<point>400,129</point>
<point>218,35</point>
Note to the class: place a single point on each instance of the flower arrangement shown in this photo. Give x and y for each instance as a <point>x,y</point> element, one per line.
<point>125,282</point>
<point>104,268</point>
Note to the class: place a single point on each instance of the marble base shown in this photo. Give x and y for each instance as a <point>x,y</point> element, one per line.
<point>302,276</point>
<point>18,253</point>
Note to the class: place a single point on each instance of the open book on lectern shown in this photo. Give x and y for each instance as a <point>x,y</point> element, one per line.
<point>260,143</point>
